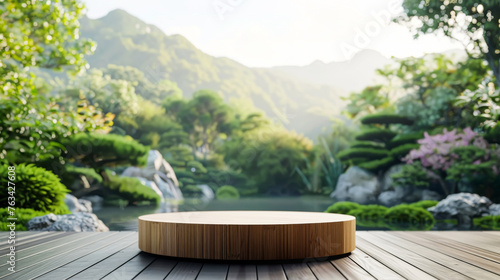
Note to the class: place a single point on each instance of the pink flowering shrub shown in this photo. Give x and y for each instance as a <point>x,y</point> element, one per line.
<point>435,151</point>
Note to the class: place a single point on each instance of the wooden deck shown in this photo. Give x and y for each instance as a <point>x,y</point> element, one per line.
<point>379,255</point>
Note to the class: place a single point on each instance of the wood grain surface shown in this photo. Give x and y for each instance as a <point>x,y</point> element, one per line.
<point>247,235</point>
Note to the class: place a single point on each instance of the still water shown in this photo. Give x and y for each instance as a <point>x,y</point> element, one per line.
<point>120,219</point>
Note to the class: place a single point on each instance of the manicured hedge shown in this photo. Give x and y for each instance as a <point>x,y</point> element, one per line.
<point>409,218</point>
<point>425,204</point>
<point>488,222</point>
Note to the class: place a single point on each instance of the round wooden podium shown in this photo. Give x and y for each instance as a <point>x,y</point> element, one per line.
<point>247,235</point>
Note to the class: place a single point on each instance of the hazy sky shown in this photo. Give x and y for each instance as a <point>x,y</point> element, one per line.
<point>264,33</point>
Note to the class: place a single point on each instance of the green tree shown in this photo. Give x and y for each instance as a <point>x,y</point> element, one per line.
<point>269,158</point>
<point>39,34</point>
<point>471,22</point>
<point>205,118</point>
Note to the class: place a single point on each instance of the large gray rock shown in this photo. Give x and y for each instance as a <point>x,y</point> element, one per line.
<point>78,222</point>
<point>77,205</point>
<point>386,183</point>
<point>461,206</point>
<point>494,210</point>
<point>157,175</point>
<point>394,197</point>
<point>357,185</point>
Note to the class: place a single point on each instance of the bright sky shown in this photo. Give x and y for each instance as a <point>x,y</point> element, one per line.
<point>262,33</point>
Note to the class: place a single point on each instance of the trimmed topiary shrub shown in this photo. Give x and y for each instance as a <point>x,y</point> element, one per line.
<point>378,165</point>
<point>386,119</point>
<point>342,207</point>
<point>366,144</point>
<point>22,215</point>
<point>402,139</point>
<point>406,217</point>
<point>227,192</point>
<point>401,151</point>
<point>131,189</point>
<point>369,153</point>
<point>376,135</point>
<point>111,149</point>
<point>35,188</point>
<point>425,204</point>
<point>488,222</point>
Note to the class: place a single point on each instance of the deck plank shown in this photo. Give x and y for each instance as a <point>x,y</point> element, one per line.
<point>477,240</point>
<point>131,268</point>
<point>296,271</point>
<point>213,271</point>
<point>242,272</point>
<point>374,267</point>
<point>325,270</point>
<point>438,270</point>
<point>108,265</point>
<point>379,255</point>
<point>402,267</point>
<point>30,257</point>
<point>270,272</point>
<point>20,236</point>
<point>480,252</point>
<point>185,271</point>
<point>120,241</point>
<point>63,257</point>
<point>350,269</point>
<point>30,241</point>
<point>159,269</point>
<point>464,256</point>
<point>48,243</point>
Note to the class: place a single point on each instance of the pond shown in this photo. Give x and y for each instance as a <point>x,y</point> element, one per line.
<point>122,219</point>
<point>126,218</point>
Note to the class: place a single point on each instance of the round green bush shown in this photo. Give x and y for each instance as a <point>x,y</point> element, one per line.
<point>406,217</point>
<point>227,192</point>
<point>342,207</point>
<point>369,212</point>
<point>425,204</point>
<point>22,215</point>
<point>35,188</point>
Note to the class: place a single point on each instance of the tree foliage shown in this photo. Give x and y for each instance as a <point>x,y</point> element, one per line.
<point>471,22</point>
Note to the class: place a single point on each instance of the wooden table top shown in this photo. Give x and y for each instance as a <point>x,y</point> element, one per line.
<point>246,217</point>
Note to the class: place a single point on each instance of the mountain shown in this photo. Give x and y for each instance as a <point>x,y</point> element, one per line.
<point>123,39</point>
<point>351,75</point>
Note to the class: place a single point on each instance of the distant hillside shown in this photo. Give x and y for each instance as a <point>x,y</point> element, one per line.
<point>348,76</point>
<point>123,39</point>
